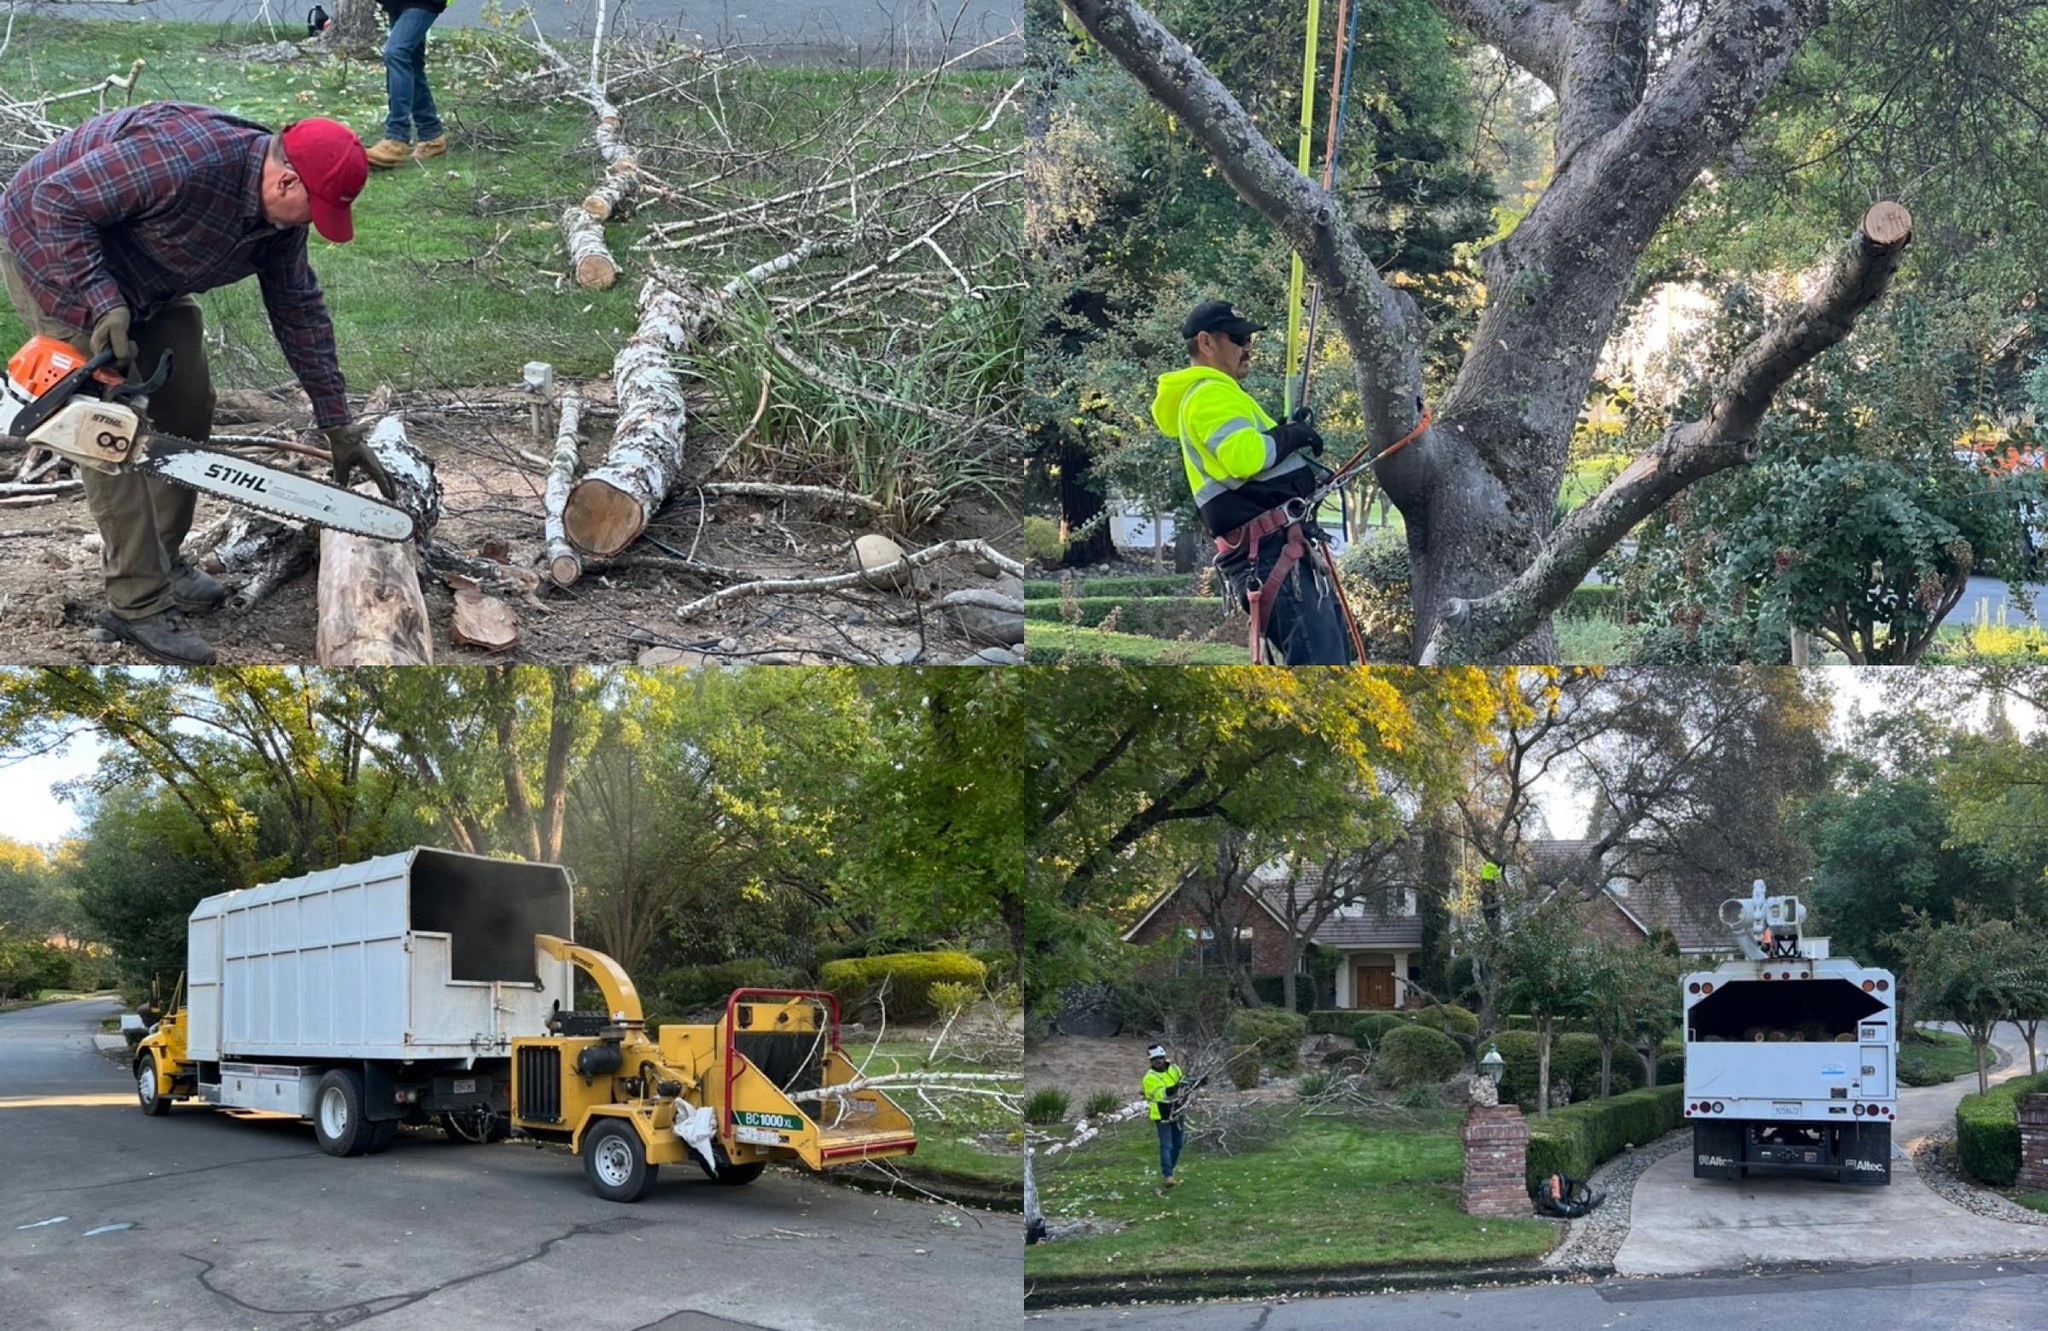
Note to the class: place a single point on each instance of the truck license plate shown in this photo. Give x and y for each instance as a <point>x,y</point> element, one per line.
<point>756,1136</point>
<point>1785,1108</point>
<point>464,1086</point>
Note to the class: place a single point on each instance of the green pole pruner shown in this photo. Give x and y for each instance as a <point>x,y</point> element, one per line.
<point>1296,273</point>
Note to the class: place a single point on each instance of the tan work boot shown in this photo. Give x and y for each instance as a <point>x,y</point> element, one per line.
<point>1171,1182</point>
<point>433,147</point>
<point>387,152</point>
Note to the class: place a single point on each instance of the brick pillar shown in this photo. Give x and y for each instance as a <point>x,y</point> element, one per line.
<point>1496,1143</point>
<point>2033,1143</point>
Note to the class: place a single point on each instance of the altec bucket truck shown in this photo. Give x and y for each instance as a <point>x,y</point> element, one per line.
<point>431,985</point>
<point>1790,1053</point>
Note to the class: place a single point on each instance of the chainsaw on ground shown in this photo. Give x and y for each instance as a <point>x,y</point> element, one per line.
<point>87,414</point>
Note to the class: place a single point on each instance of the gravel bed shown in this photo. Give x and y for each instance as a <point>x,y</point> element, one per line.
<point>1591,1241</point>
<point>1935,1157</point>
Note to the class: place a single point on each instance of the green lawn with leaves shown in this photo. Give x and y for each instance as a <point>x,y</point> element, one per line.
<point>952,1130</point>
<point>1945,1058</point>
<point>1323,1194</point>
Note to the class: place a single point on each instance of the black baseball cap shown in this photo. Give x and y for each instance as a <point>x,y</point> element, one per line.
<point>1216,316</point>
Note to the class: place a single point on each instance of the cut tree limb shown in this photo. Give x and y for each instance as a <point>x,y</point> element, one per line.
<point>589,258</point>
<point>864,579</point>
<point>370,608</point>
<point>1725,437</point>
<point>564,564</point>
<point>608,509</point>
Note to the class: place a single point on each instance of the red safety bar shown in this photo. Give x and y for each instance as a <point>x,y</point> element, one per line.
<point>732,1003</point>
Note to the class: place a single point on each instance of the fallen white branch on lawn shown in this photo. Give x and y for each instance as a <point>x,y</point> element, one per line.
<point>564,564</point>
<point>867,578</point>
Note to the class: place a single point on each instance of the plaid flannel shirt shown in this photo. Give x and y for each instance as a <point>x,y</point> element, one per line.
<point>142,205</point>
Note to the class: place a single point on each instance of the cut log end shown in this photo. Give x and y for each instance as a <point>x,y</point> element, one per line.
<point>565,569</point>
<point>595,272</point>
<point>599,207</point>
<point>601,519</point>
<point>1888,225</point>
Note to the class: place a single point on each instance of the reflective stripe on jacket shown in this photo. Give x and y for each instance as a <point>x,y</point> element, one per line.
<point>1157,1084</point>
<point>1225,447</point>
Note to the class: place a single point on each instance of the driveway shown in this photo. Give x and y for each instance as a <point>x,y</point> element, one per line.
<point>1680,1224</point>
<point>109,1218</point>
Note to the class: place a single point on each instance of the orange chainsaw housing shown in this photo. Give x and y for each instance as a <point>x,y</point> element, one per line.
<point>42,361</point>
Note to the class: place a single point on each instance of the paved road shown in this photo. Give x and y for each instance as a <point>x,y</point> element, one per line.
<point>1984,1296</point>
<point>1682,1224</point>
<point>869,32</point>
<point>246,1224</point>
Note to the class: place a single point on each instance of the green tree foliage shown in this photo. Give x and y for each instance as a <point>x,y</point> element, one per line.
<point>1972,970</point>
<point>142,865</point>
<point>1630,995</point>
<point>1543,954</point>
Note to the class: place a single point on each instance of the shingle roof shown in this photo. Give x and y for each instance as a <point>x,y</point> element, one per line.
<point>1371,929</point>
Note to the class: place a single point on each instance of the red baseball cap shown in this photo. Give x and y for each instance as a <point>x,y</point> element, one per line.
<point>330,163</point>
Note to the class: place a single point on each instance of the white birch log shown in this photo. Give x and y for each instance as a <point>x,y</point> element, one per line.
<point>564,564</point>
<point>370,610</point>
<point>589,258</point>
<point>608,509</point>
<point>609,200</point>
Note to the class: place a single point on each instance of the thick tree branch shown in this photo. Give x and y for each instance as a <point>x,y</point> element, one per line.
<point>1532,33</point>
<point>1725,437</point>
<point>1606,62</point>
<point>1383,327</point>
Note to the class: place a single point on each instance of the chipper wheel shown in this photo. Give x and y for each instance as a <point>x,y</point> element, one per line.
<point>616,1162</point>
<point>153,1104</point>
<point>729,1174</point>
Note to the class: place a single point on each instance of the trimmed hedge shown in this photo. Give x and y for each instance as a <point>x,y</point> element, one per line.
<point>1052,643</point>
<point>1591,600</point>
<point>1332,1021</point>
<point>1452,1018</point>
<point>1576,1059</point>
<point>1558,1025</point>
<point>1274,1032</point>
<point>1576,1139</point>
<point>1518,1076</point>
<point>1371,1028</point>
<point>1144,584</point>
<point>1988,1130</point>
<point>1156,616</point>
<point>857,981</point>
<point>1416,1055</point>
<point>1671,1063</point>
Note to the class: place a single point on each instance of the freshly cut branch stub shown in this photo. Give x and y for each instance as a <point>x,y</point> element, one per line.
<point>608,509</point>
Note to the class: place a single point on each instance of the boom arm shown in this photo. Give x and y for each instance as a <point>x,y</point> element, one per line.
<point>621,999</point>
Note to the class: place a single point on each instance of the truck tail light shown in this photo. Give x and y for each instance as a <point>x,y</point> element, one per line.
<point>1717,1106</point>
<point>1707,987</point>
<point>1869,986</point>
<point>1693,988</point>
<point>1883,985</point>
<point>1857,1111</point>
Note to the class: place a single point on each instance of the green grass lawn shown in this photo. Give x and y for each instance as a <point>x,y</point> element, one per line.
<point>1946,1059</point>
<point>2033,1201</point>
<point>1323,1194</point>
<point>1055,644</point>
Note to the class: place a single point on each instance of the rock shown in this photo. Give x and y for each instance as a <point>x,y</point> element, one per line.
<point>876,551</point>
<point>993,656</point>
<point>1011,585</point>
<point>674,656</point>
<point>985,617</point>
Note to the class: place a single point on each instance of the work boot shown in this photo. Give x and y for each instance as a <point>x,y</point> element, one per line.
<point>387,152</point>
<point>164,636</point>
<point>1171,1182</point>
<point>195,590</point>
<point>433,147</point>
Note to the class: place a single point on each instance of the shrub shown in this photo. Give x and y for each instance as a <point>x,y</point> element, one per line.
<point>1671,1063</point>
<point>1332,1021</point>
<point>1370,1029</point>
<point>1272,988</point>
<point>1242,1066</point>
<point>1518,1073</point>
<point>1988,1130</point>
<point>950,999</point>
<point>1421,1097</point>
<point>1576,1059</point>
<point>1102,1102</point>
<point>1312,1084</point>
<point>1275,1033</point>
<point>1042,540</point>
<point>1417,1054</point>
<point>688,987</point>
<point>858,982</point>
<point>1192,1005</point>
<point>999,962</point>
<point>1575,1139</point>
<point>1451,1019</point>
<point>1047,1104</point>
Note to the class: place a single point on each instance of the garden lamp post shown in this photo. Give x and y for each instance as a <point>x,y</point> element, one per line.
<point>1491,1066</point>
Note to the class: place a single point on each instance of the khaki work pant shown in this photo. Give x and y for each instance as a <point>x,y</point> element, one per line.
<point>142,520</point>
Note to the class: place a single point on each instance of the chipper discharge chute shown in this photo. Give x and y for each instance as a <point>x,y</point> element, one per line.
<point>734,1096</point>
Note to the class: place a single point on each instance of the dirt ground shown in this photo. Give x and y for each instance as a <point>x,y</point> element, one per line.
<point>51,590</point>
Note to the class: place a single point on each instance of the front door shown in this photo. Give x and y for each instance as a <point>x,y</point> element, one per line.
<point>1374,986</point>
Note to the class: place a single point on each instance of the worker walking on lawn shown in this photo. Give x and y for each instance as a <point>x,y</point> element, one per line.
<point>412,125</point>
<point>1252,484</point>
<point>1162,1085</point>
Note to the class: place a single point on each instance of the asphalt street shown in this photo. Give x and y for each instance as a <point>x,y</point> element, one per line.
<point>198,1220</point>
<point>867,33</point>
<point>1984,1296</point>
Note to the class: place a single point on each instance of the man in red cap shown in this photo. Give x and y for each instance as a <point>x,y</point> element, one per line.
<point>105,236</point>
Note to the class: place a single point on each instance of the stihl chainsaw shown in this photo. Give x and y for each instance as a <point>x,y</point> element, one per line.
<point>50,400</point>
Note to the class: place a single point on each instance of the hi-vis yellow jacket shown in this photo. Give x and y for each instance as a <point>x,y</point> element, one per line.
<point>1156,1085</point>
<point>1224,444</point>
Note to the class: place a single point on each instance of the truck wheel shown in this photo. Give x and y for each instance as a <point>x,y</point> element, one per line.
<point>338,1121</point>
<point>383,1132</point>
<point>153,1104</point>
<point>617,1163</point>
<point>729,1174</point>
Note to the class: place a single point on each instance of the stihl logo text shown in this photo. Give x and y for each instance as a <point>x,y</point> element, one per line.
<point>217,472</point>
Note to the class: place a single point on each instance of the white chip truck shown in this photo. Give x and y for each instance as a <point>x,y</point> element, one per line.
<point>1790,1053</point>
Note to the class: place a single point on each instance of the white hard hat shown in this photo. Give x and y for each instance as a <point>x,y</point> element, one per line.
<point>1156,1051</point>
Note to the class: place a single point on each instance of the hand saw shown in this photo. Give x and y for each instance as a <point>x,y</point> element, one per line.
<point>49,401</point>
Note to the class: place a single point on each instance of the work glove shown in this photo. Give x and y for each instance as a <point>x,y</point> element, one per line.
<point>345,446</point>
<point>1298,433</point>
<point>110,333</point>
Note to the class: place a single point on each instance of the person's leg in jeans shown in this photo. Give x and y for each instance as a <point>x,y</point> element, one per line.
<point>1180,1139</point>
<point>1166,1128</point>
<point>409,104</point>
